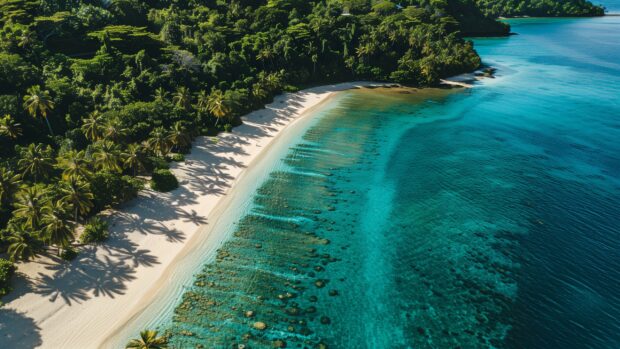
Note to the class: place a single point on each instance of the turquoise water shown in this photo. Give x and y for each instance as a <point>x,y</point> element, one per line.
<point>481,218</point>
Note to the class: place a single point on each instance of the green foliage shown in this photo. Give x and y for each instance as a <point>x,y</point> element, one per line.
<point>20,11</point>
<point>164,181</point>
<point>540,8</point>
<point>69,254</point>
<point>111,189</point>
<point>128,39</point>
<point>15,73</point>
<point>156,163</point>
<point>176,157</point>
<point>148,339</point>
<point>95,231</point>
<point>7,270</point>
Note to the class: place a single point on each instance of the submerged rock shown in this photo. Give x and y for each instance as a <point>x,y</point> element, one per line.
<point>278,343</point>
<point>320,283</point>
<point>259,325</point>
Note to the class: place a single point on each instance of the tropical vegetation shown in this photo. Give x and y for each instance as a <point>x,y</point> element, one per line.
<point>148,340</point>
<point>540,8</point>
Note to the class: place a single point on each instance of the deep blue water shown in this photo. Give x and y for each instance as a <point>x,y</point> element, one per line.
<point>481,218</point>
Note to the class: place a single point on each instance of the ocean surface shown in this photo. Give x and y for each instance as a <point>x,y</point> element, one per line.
<point>479,218</point>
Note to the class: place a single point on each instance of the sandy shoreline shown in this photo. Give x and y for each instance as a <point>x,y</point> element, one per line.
<point>93,301</point>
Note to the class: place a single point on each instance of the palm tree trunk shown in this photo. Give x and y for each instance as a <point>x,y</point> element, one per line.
<point>49,126</point>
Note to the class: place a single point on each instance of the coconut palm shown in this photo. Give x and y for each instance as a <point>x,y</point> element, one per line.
<point>259,91</point>
<point>29,206</point>
<point>182,98</point>
<point>9,128</point>
<point>202,101</point>
<point>133,158</point>
<point>9,185</point>
<point>77,194</point>
<point>57,228</point>
<point>38,103</point>
<point>148,340</point>
<point>27,38</point>
<point>217,105</point>
<point>112,130</point>
<point>266,54</point>
<point>36,161</point>
<point>274,81</point>
<point>159,142</point>
<point>365,50</point>
<point>93,126</point>
<point>22,244</point>
<point>160,95</point>
<point>178,136</point>
<point>74,164</point>
<point>107,156</point>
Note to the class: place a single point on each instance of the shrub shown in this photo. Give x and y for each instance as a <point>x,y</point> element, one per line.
<point>176,157</point>
<point>111,189</point>
<point>227,128</point>
<point>7,269</point>
<point>153,163</point>
<point>164,180</point>
<point>95,231</point>
<point>69,254</point>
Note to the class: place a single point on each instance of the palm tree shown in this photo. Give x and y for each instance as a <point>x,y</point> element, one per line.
<point>182,98</point>
<point>265,54</point>
<point>38,102</point>
<point>93,126</point>
<point>217,105</point>
<point>77,194</point>
<point>259,91</point>
<point>9,128</point>
<point>148,340</point>
<point>9,185</point>
<point>365,50</point>
<point>57,228</point>
<point>112,130</point>
<point>159,142</point>
<point>178,136</point>
<point>106,156</point>
<point>22,244</point>
<point>133,158</point>
<point>160,95</point>
<point>26,39</point>
<point>74,164</point>
<point>202,101</point>
<point>29,206</point>
<point>274,81</point>
<point>35,160</point>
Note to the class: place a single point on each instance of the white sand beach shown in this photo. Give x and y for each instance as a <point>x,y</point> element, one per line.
<point>89,302</point>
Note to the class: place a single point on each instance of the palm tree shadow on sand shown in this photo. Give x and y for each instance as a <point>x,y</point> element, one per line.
<point>28,337</point>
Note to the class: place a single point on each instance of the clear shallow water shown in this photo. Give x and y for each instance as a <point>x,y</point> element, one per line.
<point>439,219</point>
